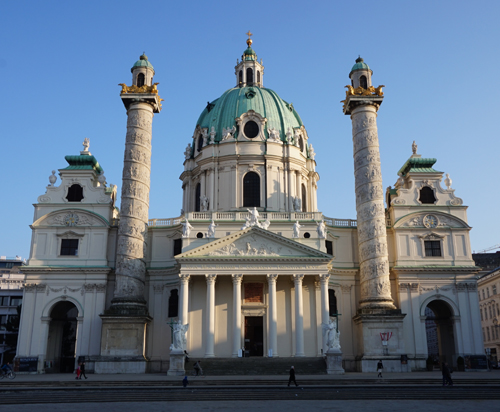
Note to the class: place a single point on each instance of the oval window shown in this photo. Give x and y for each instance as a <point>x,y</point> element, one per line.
<point>251,129</point>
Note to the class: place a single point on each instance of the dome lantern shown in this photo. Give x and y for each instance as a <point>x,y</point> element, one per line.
<point>142,72</point>
<point>361,74</point>
<point>249,72</point>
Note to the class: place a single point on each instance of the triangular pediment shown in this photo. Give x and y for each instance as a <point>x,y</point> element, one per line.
<point>254,242</point>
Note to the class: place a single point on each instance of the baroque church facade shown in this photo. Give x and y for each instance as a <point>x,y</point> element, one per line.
<point>251,267</point>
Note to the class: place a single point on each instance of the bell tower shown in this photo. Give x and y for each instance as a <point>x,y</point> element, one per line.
<point>124,323</point>
<point>376,311</point>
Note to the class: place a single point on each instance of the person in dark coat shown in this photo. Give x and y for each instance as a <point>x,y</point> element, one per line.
<point>446,374</point>
<point>82,370</point>
<point>292,377</point>
<point>380,368</point>
<point>185,381</point>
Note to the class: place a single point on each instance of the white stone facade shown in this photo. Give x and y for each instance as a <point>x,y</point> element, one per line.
<point>262,279</point>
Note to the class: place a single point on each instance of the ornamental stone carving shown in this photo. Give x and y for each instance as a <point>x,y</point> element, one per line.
<point>274,135</point>
<point>372,240</point>
<point>346,288</point>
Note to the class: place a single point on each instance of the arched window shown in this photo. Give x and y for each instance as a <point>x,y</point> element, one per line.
<point>241,77</point>
<point>173,304</point>
<point>200,143</point>
<point>75,193</point>
<point>140,79</point>
<point>301,144</point>
<point>197,195</point>
<point>258,76</point>
<point>251,190</point>
<point>249,76</point>
<point>427,196</point>
<point>304,199</point>
<point>332,302</point>
<point>363,82</point>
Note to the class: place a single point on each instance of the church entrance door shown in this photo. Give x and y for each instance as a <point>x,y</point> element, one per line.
<point>440,335</point>
<point>254,336</point>
<point>62,338</point>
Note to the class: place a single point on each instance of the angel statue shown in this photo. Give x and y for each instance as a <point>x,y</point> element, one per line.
<point>86,144</point>
<point>186,228</point>
<point>179,343</point>
<point>211,230</point>
<point>331,335</point>
<point>296,229</point>
<point>321,229</point>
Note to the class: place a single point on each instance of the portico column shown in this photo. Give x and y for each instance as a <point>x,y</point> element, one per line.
<point>273,315</point>
<point>236,314</point>
<point>210,340</point>
<point>325,304</point>
<point>299,316</point>
<point>184,298</point>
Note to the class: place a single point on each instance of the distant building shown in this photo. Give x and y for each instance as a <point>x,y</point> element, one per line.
<point>11,295</point>
<point>488,287</point>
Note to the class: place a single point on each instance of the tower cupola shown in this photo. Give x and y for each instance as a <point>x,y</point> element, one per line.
<point>361,74</point>
<point>249,72</point>
<point>142,72</point>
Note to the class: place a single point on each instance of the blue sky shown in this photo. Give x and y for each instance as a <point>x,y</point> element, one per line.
<point>61,63</point>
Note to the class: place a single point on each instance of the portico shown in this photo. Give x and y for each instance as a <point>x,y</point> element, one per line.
<point>283,281</point>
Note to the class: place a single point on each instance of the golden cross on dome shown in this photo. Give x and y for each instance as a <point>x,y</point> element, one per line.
<point>249,41</point>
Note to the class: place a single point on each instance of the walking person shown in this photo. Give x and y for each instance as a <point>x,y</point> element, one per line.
<point>185,381</point>
<point>380,368</point>
<point>445,370</point>
<point>197,368</point>
<point>292,377</point>
<point>78,371</point>
<point>82,370</point>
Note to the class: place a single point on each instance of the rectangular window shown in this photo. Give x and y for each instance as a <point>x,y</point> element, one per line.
<point>16,301</point>
<point>485,314</point>
<point>494,289</point>
<point>488,332</point>
<point>177,246</point>
<point>69,247</point>
<point>482,314</point>
<point>329,247</point>
<point>484,297</point>
<point>432,247</point>
<point>491,316</point>
<point>487,292</point>
<point>4,300</point>
<point>484,335</point>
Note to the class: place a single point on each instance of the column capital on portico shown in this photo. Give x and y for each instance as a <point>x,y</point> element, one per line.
<point>324,278</point>
<point>211,278</point>
<point>272,278</point>
<point>298,279</point>
<point>237,279</point>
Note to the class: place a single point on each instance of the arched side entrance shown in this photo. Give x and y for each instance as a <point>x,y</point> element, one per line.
<point>61,341</point>
<point>439,329</point>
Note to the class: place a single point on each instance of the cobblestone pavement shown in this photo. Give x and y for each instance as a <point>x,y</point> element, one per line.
<point>276,406</point>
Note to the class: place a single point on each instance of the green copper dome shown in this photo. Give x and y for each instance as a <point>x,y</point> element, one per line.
<point>360,65</point>
<point>222,112</point>
<point>142,62</point>
<point>249,54</point>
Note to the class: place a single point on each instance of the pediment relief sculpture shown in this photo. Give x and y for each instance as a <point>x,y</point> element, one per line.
<point>431,219</point>
<point>71,218</point>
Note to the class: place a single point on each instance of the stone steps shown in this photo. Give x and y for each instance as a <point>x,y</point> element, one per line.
<point>258,366</point>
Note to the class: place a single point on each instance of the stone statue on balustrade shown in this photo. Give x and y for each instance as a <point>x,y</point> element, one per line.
<point>186,228</point>
<point>331,335</point>
<point>187,153</point>
<point>297,204</point>
<point>296,230</point>
<point>211,230</point>
<point>204,203</point>
<point>321,229</point>
<point>254,216</point>
<point>179,341</point>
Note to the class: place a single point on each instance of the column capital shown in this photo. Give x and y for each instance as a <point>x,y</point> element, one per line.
<point>298,279</point>
<point>237,279</point>
<point>324,278</point>
<point>272,278</point>
<point>184,278</point>
<point>210,278</point>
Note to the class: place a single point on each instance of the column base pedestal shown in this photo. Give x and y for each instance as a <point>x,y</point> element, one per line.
<point>176,364</point>
<point>334,362</point>
<point>371,323</point>
<point>123,340</point>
